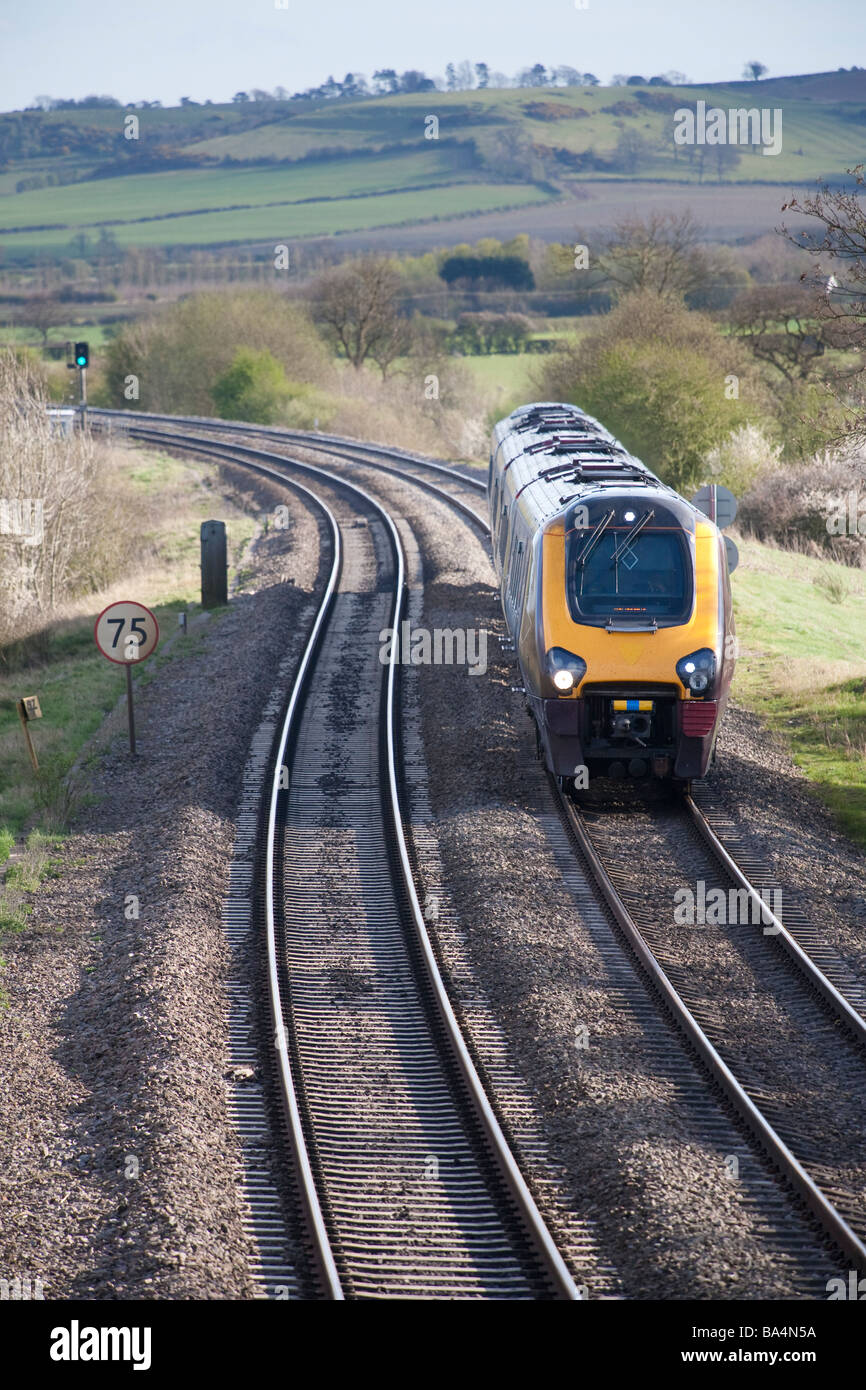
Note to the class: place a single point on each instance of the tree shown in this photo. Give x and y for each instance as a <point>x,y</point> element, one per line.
<point>567,77</point>
<point>754,71</point>
<point>778,323</point>
<point>840,254</point>
<point>636,82</point>
<point>241,97</point>
<point>451,77</point>
<point>631,148</point>
<point>465,76</point>
<point>508,272</point>
<point>659,252</point>
<point>482,333</point>
<point>654,371</point>
<point>590,80</point>
<point>726,158</point>
<point>386,82</point>
<point>536,76</point>
<point>42,312</point>
<point>482,74</point>
<point>839,276</point>
<point>357,306</point>
<point>414,81</point>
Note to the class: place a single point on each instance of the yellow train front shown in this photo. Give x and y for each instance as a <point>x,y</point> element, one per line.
<point>617,596</point>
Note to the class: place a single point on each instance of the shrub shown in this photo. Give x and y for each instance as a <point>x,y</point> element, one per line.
<point>67,527</point>
<point>742,459</point>
<point>655,374</point>
<point>814,508</point>
<point>181,352</point>
<point>253,388</point>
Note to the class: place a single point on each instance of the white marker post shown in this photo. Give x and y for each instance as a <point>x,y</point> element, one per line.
<point>126,633</point>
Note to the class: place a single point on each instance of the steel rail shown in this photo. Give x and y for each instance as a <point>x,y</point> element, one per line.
<point>324,443</point>
<point>758,1125</point>
<point>558,1272</point>
<point>833,998</point>
<point>307,1184</point>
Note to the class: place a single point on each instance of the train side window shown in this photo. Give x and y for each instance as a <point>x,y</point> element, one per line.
<point>503,535</point>
<point>518,567</point>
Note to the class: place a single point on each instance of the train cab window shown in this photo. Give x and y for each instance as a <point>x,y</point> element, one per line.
<point>650,577</point>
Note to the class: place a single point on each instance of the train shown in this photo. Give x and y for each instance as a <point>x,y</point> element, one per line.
<point>617,598</point>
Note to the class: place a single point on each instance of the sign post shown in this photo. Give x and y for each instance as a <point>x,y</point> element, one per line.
<point>28,709</point>
<point>720,505</point>
<point>127,633</point>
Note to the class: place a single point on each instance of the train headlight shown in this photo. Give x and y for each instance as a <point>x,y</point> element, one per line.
<point>566,669</point>
<point>698,670</point>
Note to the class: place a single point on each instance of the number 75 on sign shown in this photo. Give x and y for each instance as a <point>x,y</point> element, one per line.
<point>126,632</point>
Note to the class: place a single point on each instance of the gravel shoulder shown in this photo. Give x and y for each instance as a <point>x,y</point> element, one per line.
<point>118,1161</point>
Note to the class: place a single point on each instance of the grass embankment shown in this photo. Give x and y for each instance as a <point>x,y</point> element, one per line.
<point>801,622</point>
<point>77,686</point>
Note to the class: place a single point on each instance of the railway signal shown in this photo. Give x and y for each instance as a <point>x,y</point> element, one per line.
<point>78,359</point>
<point>127,633</point>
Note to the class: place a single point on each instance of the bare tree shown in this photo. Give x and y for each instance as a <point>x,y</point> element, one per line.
<point>660,252</point>
<point>631,149</point>
<point>357,306</point>
<point>726,158</point>
<point>778,323</point>
<point>839,277</point>
<point>42,312</point>
<point>840,254</point>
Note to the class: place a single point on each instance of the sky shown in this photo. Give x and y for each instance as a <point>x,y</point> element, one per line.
<point>166,49</point>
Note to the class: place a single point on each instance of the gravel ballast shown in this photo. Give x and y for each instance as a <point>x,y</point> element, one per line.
<point>637,1156</point>
<point>118,1162</point>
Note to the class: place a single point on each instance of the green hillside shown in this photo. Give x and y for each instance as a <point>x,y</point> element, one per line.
<point>206,175</point>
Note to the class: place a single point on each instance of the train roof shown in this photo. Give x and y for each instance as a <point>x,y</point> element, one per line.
<point>554,454</point>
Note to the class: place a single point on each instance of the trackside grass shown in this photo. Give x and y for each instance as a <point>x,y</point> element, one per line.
<point>801,621</point>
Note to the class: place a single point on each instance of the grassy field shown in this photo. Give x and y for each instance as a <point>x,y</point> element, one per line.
<point>246,202</point>
<point>503,380</point>
<point>141,196</point>
<point>286,219</point>
<point>802,628</point>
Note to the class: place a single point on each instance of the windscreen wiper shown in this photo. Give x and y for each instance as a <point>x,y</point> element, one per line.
<point>638,527</point>
<point>593,540</point>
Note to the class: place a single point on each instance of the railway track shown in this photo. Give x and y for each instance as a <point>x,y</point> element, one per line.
<point>409,1185</point>
<point>759,1013</point>
<point>827,984</point>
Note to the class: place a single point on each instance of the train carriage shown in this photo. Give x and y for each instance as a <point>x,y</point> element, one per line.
<point>617,596</point>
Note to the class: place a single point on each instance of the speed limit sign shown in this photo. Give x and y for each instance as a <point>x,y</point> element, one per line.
<point>126,632</point>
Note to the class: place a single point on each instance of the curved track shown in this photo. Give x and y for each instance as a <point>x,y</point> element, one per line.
<point>830,997</point>
<point>410,1187</point>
